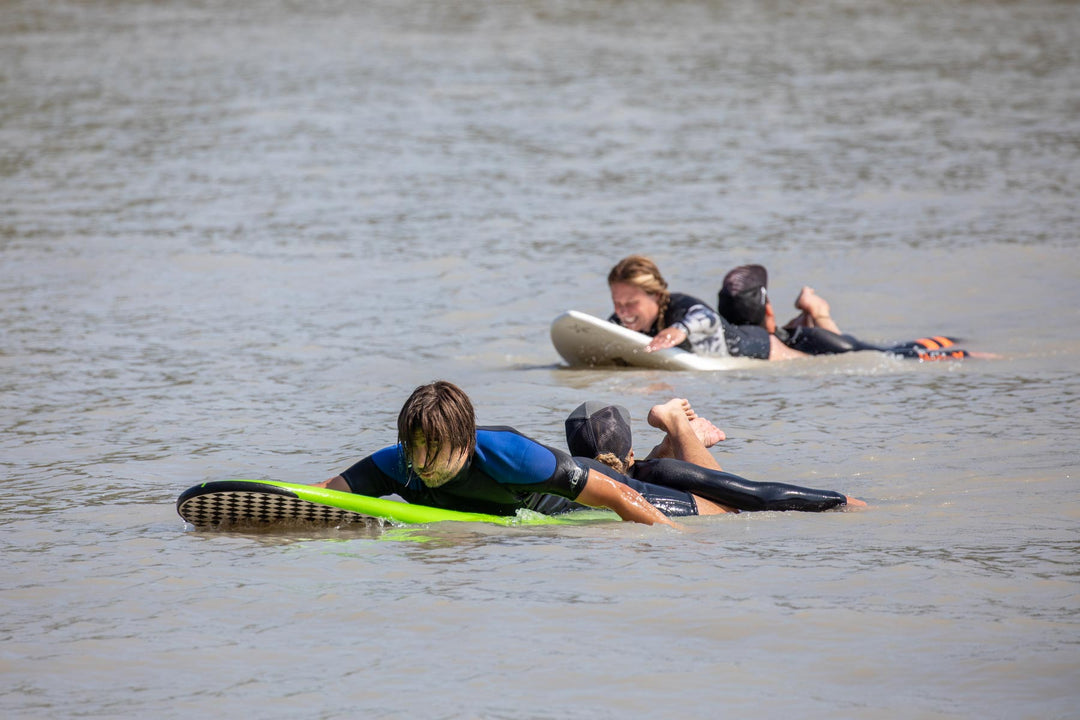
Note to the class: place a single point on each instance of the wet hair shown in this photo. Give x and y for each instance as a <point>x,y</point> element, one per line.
<point>442,413</point>
<point>642,273</point>
<point>743,295</point>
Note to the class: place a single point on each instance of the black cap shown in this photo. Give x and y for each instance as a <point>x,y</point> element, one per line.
<point>595,428</point>
<point>743,295</point>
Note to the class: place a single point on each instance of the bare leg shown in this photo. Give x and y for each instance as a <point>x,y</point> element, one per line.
<point>815,312</point>
<point>673,418</point>
<point>708,507</point>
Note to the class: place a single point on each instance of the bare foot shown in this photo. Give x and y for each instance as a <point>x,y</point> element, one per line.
<point>855,502</point>
<point>706,432</point>
<point>810,302</point>
<point>660,416</point>
<point>815,311</point>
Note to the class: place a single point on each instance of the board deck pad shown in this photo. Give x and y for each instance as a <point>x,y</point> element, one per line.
<point>261,502</point>
<point>231,504</point>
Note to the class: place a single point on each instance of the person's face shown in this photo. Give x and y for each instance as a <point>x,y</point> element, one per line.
<point>635,308</point>
<point>435,463</point>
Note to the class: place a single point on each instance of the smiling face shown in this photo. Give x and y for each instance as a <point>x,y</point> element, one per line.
<point>635,308</point>
<point>435,463</point>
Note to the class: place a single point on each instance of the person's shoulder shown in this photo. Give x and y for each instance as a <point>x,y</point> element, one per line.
<point>500,437</point>
<point>684,299</point>
<point>496,431</point>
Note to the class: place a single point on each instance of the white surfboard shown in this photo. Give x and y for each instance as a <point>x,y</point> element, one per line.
<point>585,340</point>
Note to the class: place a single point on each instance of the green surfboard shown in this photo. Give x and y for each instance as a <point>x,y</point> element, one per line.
<point>247,502</point>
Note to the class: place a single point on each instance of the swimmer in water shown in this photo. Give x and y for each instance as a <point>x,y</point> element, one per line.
<point>442,459</point>
<point>602,432</point>
<point>744,300</point>
<point>643,303</point>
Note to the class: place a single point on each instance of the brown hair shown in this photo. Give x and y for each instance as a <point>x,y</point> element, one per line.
<point>442,413</point>
<point>642,273</point>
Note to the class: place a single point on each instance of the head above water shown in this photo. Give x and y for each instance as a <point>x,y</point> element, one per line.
<point>639,292</point>
<point>596,429</point>
<point>743,296</point>
<point>437,420</point>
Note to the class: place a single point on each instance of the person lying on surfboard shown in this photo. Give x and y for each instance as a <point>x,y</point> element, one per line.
<point>743,300</point>
<point>682,460</point>
<point>442,459</point>
<point>643,303</point>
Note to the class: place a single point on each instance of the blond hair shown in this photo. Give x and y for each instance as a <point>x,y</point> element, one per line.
<point>613,462</point>
<point>642,273</point>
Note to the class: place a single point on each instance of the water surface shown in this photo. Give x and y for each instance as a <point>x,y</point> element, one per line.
<point>234,237</point>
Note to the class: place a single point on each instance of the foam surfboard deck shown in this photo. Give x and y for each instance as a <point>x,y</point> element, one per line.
<point>247,502</point>
<point>585,340</point>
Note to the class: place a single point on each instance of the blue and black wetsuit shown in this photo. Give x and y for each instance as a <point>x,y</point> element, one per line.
<point>507,472</point>
<point>707,332</point>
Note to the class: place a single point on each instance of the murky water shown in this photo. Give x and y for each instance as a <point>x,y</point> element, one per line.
<point>234,236</point>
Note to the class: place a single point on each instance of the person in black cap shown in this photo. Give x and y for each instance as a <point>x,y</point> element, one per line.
<point>744,300</point>
<point>443,459</point>
<point>601,431</point>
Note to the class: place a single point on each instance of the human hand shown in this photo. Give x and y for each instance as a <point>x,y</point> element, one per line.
<point>666,338</point>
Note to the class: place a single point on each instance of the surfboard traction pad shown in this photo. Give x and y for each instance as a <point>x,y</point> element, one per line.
<point>246,503</point>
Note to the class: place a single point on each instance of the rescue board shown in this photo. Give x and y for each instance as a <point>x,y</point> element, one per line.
<point>584,340</point>
<point>261,502</point>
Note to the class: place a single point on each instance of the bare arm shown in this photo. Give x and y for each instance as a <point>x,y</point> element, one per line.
<point>335,483</point>
<point>602,491</point>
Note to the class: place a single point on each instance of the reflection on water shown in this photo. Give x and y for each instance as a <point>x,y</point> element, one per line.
<point>234,237</point>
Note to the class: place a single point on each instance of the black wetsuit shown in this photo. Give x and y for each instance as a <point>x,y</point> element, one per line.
<point>507,472</point>
<point>732,490</point>
<point>707,332</point>
<point>819,341</point>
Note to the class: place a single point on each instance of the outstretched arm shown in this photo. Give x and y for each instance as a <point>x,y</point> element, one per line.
<point>602,491</point>
<point>335,483</point>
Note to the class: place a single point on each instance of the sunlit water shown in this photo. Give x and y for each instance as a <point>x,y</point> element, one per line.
<point>234,236</point>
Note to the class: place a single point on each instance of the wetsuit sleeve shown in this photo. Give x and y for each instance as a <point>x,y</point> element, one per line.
<point>698,320</point>
<point>377,475</point>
